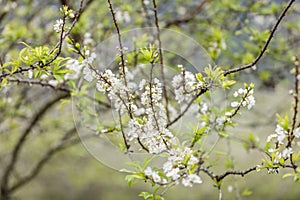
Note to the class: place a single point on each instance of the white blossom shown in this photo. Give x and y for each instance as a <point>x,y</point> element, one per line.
<point>204,108</point>
<point>251,102</point>
<point>235,94</point>
<point>234,104</point>
<point>123,16</point>
<point>54,83</point>
<point>88,40</point>
<point>30,74</point>
<point>296,132</point>
<point>281,134</point>
<point>88,74</point>
<point>287,152</point>
<point>185,84</point>
<point>152,174</point>
<point>73,65</point>
<point>270,137</point>
<point>146,2</point>
<point>58,25</point>
<point>173,173</point>
<point>230,188</point>
<point>191,179</point>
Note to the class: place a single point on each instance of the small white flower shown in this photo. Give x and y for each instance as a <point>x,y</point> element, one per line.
<point>244,103</point>
<point>251,102</point>
<point>230,188</point>
<point>88,74</point>
<point>235,94</point>
<point>146,2</point>
<point>173,173</point>
<point>44,76</point>
<point>71,15</point>
<point>270,137</point>
<point>204,108</point>
<point>148,171</point>
<point>234,104</point>
<point>242,91</point>
<point>30,74</point>
<point>57,27</point>
<point>191,179</point>
<point>287,152</point>
<point>296,132</point>
<point>228,114</point>
<point>53,83</point>
<point>281,134</point>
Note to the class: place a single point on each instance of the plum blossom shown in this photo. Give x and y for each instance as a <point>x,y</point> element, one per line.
<point>234,104</point>
<point>279,135</point>
<point>296,132</point>
<point>191,179</point>
<point>185,84</point>
<point>287,152</point>
<point>180,162</point>
<point>58,25</point>
<point>88,40</point>
<point>54,83</point>
<point>151,95</point>
<point>73,65</point>
<point>247,98</point>
<point>153,175</point>
<point>88,74</point>
<point>123,16</point>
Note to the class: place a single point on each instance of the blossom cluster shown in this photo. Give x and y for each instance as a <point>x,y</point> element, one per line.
<point>247,97</point>
<point>58,25</point>
<point>180,166</point>
<point>147,124</point>
<point>185,85</point>
<point>280,138</point>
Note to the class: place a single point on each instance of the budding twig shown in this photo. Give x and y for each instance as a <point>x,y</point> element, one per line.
<point>265,47</point>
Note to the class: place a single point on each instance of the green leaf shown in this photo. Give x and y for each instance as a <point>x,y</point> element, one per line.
<point>223,133</point>
<point>3,82</point>
<point>247,192</point>
<point>145,195</point>
<point>199,77</point>
<point>228,83</point>
<point>131,178</point>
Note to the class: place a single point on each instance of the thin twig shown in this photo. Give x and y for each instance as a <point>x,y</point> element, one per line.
<point>187,17</point>
<point>218,178</point>
<point>18,146</point>
<point>122,56</point>
<point>296,95</point>
<point>38,82</point>
<point>145,10</point>
<point>265,47</point>
<point>47,156</point>
<point>202,91</point>
<point>76,18</point>
<point>161,61</point>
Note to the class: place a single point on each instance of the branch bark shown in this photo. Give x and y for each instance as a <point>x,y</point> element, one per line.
<point>22,139</point>
<point>265,47</point>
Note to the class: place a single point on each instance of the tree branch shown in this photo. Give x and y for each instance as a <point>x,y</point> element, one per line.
<point>161,61</point>
<point>265,47</point>
<point>218,178</point>
<point>202,91</point>
<point>188,17</point>
<point>18,146</point>
<point>40,164</point>
<point>38,82</point>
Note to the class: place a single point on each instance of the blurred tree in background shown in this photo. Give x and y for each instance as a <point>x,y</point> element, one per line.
<point>47,49</point>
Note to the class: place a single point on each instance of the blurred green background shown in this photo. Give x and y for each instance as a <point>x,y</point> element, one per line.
<point>231,31</point>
